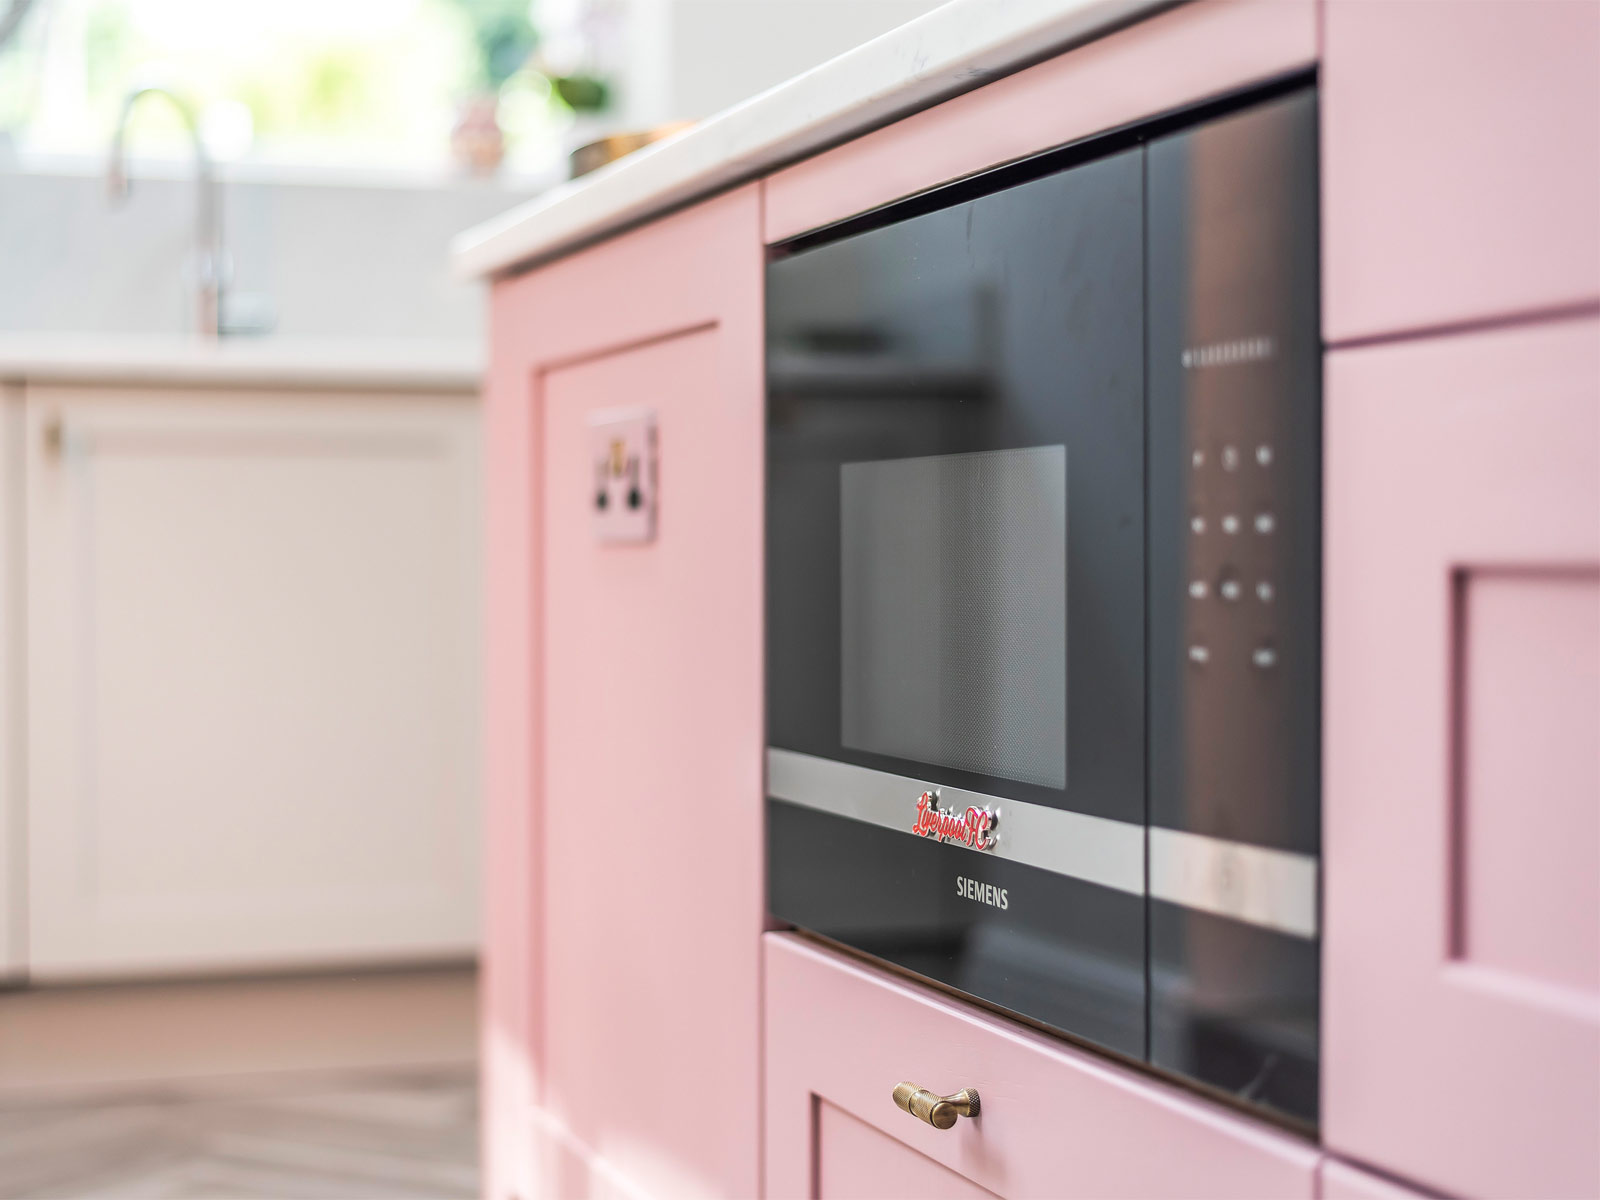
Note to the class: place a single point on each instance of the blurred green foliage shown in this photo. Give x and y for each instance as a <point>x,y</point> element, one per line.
<point>582,93</point>
<point>505,36</point>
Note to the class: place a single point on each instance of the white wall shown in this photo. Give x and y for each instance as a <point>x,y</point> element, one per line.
<point>332,259</point>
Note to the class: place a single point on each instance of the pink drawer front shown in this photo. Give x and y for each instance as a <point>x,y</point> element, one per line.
<point>1175,58</point>
<point>1341,1181</point>
<point>1461,150</point>
<point>1462,813</point>
<point>1053,1121</point>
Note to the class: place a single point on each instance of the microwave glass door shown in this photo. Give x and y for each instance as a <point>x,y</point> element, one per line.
<point>956,592</point>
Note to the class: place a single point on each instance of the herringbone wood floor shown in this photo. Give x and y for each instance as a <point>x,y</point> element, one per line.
<point>385,1134</point>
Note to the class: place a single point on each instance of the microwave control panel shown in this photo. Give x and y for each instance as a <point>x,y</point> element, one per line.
<point>1234,441</point>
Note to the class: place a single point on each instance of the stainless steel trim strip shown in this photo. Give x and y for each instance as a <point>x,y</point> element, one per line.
<point>1272,888</point>
<point>1095,849</point>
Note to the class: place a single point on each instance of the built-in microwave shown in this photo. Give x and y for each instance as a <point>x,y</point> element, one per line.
<point>1043,591</point>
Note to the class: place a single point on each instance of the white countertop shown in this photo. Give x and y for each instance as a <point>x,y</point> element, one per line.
<point>335,363</point>
<point>952,49</point>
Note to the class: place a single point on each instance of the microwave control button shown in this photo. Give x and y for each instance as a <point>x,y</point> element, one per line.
<point>1265,522</point>
<point>1228,587</point>
<point>1199,654</point>
<point>1197,523</point>
<point>1197,589</point>
<point>1230,524</point>
<point>1264,455</point>
<point>1264,657</point>
<point>1230,458</point>
<point>1265,592</point>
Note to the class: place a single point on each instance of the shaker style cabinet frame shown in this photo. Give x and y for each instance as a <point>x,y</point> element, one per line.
<point>252,690</point>
<point>1461,148</point>
<point>1462,981</point>
<point>625,874</point>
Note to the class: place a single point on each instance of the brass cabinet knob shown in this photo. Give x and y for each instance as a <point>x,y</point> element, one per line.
<point>939,1111</point>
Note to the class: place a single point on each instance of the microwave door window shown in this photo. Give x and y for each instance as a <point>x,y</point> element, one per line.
<point>953,607</point>
<point>942,394</point>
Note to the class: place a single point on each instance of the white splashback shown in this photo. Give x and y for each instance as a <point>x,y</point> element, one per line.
<point>334,260</point>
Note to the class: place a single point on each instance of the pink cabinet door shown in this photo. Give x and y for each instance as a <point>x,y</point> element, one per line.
<point>1461,152</point>
<point>625,723</point>
<point>1053,1120</point>
<point>1462,817</point>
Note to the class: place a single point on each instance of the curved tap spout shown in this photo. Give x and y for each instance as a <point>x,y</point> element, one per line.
<point>207,221</point>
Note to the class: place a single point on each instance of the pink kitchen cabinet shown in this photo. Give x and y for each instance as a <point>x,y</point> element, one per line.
<point>1053,1120</point>
<point>1462,811</point>
<point>1461,162</point>
<point>623,991</point>
<point>643,1035</point>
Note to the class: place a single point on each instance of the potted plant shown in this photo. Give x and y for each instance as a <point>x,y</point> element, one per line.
<point>504,37</point>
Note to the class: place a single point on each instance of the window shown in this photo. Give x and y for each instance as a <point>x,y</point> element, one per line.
<point>345,83</point>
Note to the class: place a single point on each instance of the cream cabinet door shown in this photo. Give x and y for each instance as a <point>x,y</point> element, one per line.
<point>13,858</point>
<point>252,642</point>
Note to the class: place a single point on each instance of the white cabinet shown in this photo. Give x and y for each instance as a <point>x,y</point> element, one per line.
<point>252,678</point>
<point>13,856</point>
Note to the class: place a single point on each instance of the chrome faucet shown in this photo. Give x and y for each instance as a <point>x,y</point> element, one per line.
<point>209,265</point>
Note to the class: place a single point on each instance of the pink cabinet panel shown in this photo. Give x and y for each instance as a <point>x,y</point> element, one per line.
<point>1462,852</point>
<point>1461,161</point>
<point>625,722</point>
<point>652,782</point>
<point>1164,62</point>
<point>1341,1181</point>
<point>1053,1121</point>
